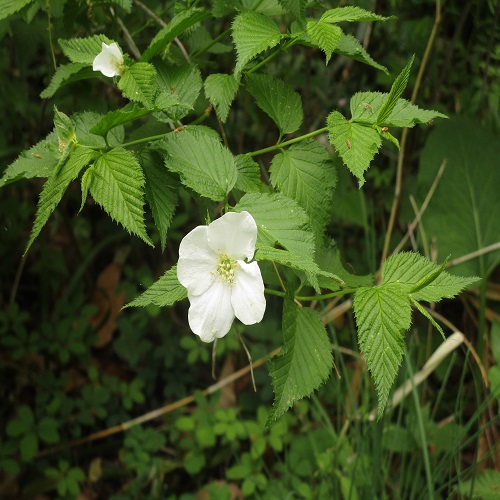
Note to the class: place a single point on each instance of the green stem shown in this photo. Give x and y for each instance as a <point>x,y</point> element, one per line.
<point>270,57</point>
<point>145,139</point>
<point>306,298</point>
<point>211,44</point>
<point>287,143</point>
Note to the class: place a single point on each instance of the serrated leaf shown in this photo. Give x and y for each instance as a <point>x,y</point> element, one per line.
<point>9,7</point>
<point>356,143</point>
<point>248,179</point>
<point>179,23</point>
<point>184,82</point>
<point>280,220</point>
<point>137,83</point>
<point>278,100</point>
<point>220,90</point>
<point>395,93</point>
<point>410,268</point>
<point>83,50</point>
<point>325,35</point>
<point>83,123</point>
<point>350,14</point>
<point>161,192</point>
<point>56,185</point>
<point>164,292</point>
<point>128,113</point>
<point>366,106</point>
<point>65,74</point>
<point>38,161</point>
<point>350,47</point>
<point>64,127</point>
<point>252,34</point>
<point>486,485</point>
<point>117,184</point>
<point>295,7</point>
<point>202,162</point>
<point>383,314</point>
<point>305,361</point>
<point>305,173</point>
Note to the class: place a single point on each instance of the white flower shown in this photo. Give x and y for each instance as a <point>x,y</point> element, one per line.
<point>109,61</point>
<point>220,284</point>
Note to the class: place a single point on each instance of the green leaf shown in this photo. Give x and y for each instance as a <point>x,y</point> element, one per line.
<point>248,179</point>
<point>64,127</point>
<point>179,23</point>
<point>383,314</point>
<point>65,74</point>
<point>164,292</point>
<point>83,50</point>
<point>350,14</point>
<point>47,430</point>
<point>28,446</point>
<point>202,162</point>
<point>161,192</point>
<point>9,7</point>
<point>350,47</point>
<point>278,100</point>
<point>38,161</point>
<point>305,361</point>
<point>220,90</point>
<point>184,82</point>
<point>412,269</point>
<point>117,184</point>
<point>137,83</point>
<point>356,143</point>
<point>56,186</point>
<point>366,107</point>
<point>396,92</point>
<point>466,198</point>
<point>112,119</point>
<point>295,7</point>
<point>305,173</point>
<point>280,220</point>
<point>325,35</point>
<point>83,123</point>
<point>252,34</point>
<point>486,485</point>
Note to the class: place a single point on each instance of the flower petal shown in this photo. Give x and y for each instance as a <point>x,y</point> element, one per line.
<point>233,234</point>
<point>211,314</point>
<point>109,60</point>
<point>197,266</point>
<point>247,296</point>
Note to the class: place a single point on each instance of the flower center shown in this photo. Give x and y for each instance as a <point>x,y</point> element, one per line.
<point>226,267</point>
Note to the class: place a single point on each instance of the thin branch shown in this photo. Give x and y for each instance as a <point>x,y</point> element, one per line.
<point>473,255</point>
<point>128,37</point>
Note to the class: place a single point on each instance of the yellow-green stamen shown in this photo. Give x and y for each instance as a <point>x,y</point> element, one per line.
<point>226,267</point>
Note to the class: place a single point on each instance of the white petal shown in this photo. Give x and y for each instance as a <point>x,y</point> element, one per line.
<point>248,298</point>
<point>109,60</point>
<point>197,266</point>
<point>233,234</point>
<point>211,314</point>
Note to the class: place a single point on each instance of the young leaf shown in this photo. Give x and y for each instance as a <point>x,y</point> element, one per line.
<point>56,186</point>
<point>277,99</point>
<point>412,269</point>
<point>179,23</point>
<point>117,184</point>
<point>356,143</point>
<point>64,127</point>
<point>220,90</point>
<point>161,192</point>
<point>65,74</point>
<point>9,7</point>
<point>83,50</point>
<point>325,35</point>
<point>128,113</point>
<point>280,220</point>
<point>383,314</point>
<point>305,361</point>
<point>350,47</point>
<point>252,34</point>
<point>203,163</point>
<point>397,90</point>
<point>38,161</point>
<point>350,14</point>
<point>295,7</point>
<point>164,292</point>
<point>305,173</point>
<point>138,83</point>
<point>248,179</point>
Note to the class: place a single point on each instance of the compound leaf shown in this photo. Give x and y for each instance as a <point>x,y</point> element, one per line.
<point>137,83</point>
<point>83,50</point>
<point>220,90</point>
